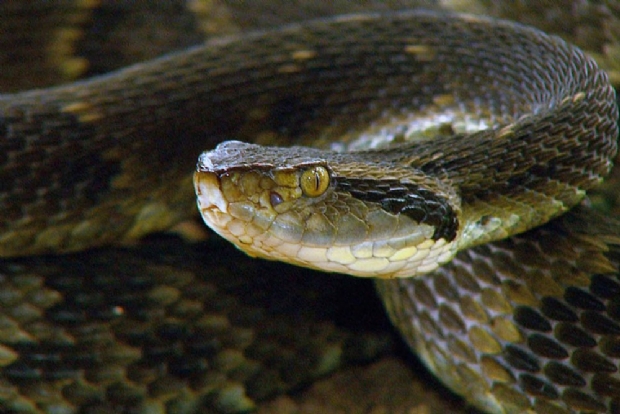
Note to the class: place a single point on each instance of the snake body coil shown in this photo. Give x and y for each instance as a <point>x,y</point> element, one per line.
<point>535,127</point>
<point>547,118</point>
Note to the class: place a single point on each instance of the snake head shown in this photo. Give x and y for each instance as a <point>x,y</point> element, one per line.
<point>324,210</point>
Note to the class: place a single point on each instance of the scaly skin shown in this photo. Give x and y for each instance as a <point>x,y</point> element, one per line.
<point>84,113</point>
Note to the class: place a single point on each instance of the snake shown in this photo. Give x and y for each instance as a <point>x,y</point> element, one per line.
<point>402,210</point>
<point>446,149</point>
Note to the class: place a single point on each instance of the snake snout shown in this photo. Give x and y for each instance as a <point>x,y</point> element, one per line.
<point>208,192</point>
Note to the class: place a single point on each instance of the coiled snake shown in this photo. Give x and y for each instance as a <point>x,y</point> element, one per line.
<point>525,124</point>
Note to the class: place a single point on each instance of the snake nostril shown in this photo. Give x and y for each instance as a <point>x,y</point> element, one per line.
<point>275,199</point>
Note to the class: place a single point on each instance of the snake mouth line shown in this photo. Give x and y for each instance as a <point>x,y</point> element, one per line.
<point>404,256</point>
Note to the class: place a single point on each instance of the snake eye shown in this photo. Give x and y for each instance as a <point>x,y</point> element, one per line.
<point>314,181</point>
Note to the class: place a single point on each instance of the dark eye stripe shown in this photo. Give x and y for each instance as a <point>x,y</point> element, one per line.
<point>419,204</point>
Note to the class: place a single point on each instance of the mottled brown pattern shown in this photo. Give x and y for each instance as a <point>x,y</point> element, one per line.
<point>561,353</point>
<point>576,318</point>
